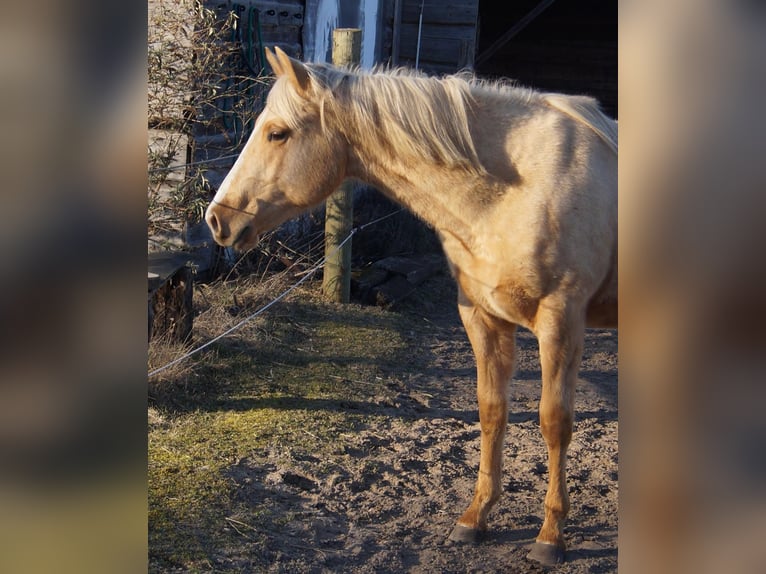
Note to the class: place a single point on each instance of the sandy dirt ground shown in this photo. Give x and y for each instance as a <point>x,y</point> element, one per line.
<point>389,499</point>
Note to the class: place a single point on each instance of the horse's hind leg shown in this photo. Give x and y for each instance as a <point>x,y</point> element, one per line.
<point>493,342</point>
<point>560,331</point>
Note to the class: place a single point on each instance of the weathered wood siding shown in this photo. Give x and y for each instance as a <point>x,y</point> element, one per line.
<point>447,37</point>
<point>268,23</point>
<point>261,24</point>
<point>569,47</point>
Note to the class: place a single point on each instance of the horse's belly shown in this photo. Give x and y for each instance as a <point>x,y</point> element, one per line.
<point>601,314</point>
<point>602,307</point>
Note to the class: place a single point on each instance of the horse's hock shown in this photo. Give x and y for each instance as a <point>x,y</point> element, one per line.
<point>170,296</point>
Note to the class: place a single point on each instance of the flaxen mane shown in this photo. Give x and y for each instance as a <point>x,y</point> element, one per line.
<point>427,116</point>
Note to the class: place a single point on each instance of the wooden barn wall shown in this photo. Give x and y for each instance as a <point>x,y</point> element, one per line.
<point>261,23</point>
<point>570,47</point>
<point>270,22</point>
<point>447,37</point>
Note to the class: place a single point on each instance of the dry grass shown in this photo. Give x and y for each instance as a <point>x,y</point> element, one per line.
<point>163,350</point>
<point>289,379</point>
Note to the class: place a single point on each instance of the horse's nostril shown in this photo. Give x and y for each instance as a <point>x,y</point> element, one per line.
<point>213,223</point>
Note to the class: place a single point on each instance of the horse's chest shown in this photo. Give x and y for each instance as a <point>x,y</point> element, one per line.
<point>498,285</point>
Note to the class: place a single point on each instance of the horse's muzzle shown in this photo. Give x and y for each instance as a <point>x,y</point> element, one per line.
<point>220,230</point>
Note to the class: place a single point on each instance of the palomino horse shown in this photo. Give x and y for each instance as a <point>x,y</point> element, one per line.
<point>521,188</point>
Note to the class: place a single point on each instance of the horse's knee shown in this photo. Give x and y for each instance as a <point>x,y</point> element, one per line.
<point>556,425</point>
<point>493,420</point>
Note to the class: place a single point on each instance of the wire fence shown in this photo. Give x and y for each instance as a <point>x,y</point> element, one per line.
<point>306,275</point>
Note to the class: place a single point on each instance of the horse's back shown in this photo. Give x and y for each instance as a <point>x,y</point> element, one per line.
<point>553,232</point>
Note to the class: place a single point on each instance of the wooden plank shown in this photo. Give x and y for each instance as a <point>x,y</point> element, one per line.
<point>171,312</point>
<point>451,47</point>
<point>429,265</point>
<point>429,67</point>
<point>164,264</point>
<point>447,37</point>
<point>365,280</point>
<point>279,13</point>
<point>292,49</point>
<point>400,265</point>
<point>286,34</point>
<point>392,291</point>
<point>154,281</point>
<point>396,32</point>
<point>409,33</point>
<point>414,269</point>
<point>445,51</point>
<point>451,14</point>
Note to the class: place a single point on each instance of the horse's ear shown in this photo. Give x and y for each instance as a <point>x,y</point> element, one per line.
<point>273,62</point>
<point>284,65</point>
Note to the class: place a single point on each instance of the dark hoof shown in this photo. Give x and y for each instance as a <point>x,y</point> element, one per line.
<point>546,554</point>
<point>465,535</point>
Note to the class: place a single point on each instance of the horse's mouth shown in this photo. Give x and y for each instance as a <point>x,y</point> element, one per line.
<point>244,239</point>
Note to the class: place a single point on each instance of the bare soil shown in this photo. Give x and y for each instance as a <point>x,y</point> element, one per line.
<point>381,494</point>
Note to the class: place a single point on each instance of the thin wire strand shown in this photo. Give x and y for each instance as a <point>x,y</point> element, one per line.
<point>274,301</point>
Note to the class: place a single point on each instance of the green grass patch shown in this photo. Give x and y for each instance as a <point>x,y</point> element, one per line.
<point>290,380</point>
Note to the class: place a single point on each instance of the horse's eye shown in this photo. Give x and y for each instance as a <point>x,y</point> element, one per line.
<point>277,136</point>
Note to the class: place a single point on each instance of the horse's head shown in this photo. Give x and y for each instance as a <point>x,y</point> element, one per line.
<point>290,163</point>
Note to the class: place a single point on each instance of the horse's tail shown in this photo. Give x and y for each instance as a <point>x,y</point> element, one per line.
<point>587,111</point>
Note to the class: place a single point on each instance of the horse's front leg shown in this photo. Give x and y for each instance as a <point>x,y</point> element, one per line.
<point>493,342</point>
<point>560,330</point>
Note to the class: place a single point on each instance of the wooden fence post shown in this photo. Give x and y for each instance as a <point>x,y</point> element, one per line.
<point>339,217</point>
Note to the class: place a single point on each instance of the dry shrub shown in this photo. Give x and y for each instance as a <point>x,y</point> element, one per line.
<point>163,350</point>
<point>218,307</point>
<point>198,85</point>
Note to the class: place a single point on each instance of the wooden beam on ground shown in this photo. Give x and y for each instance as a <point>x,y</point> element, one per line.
<point>171,288</point>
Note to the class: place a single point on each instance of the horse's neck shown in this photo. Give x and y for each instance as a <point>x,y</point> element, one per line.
<point>446,197</point>
<point>435,194</point>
